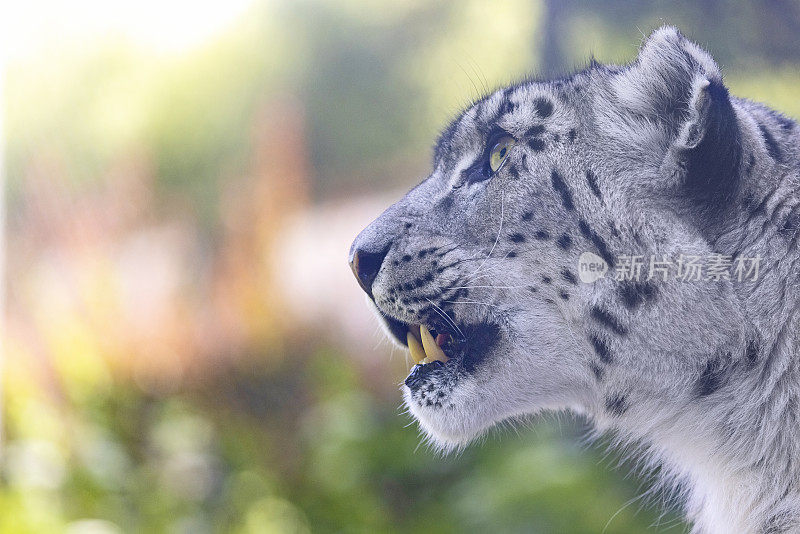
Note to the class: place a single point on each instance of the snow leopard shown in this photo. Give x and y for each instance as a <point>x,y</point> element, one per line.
<point>478,271</point>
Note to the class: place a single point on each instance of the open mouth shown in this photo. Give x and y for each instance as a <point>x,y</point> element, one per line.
<point>432,341</point>
<point>430,349</point>
<point>438,346</point>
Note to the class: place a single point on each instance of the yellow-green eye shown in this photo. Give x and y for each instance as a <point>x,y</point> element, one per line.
<point>500,152</point>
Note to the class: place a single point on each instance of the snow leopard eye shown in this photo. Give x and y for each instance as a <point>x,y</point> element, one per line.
<point>499,152</point>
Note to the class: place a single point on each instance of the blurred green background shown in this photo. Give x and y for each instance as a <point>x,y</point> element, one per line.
<point>185,349</point>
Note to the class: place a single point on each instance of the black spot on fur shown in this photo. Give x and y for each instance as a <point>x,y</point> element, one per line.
<point>601,348</point>
<point>564,241</point>
<point>556,138</point>
<point>596,370</point>
<point>786,123</point>
<point>543,107</point>
<point>572,135</point>
<point>446,205</point>
<point>512,170</point>
<point>772,146</point>
<point>541,235</point>
<point>527,216</point>
<point>609,321</point>
<point>564,295</point>
<point>408,225</point>
<point>517,238</point>
<point>790,224</point>
<point>597,241</point>
<point>536,144</point>
<point>569,277</point>
<point>616,404</point>
<point>591,179</point>
<point>751,353</point>
<point>512,254</point>
<point>547,280</point>
<point>712,377</point>
<point>524,162</point>
<point>563,190</point>
<point>534,131</point>
<point>634,293</point>
<point>406,258</point>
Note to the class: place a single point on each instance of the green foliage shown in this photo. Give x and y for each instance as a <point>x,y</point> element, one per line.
<point>348,463</point>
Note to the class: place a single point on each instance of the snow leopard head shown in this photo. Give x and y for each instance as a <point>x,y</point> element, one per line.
<point>482,269</point>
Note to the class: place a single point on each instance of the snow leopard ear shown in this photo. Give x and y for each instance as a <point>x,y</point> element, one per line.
<point>676,85</point>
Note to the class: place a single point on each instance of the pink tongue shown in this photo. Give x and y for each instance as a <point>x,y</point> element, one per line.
<point>441,339</point>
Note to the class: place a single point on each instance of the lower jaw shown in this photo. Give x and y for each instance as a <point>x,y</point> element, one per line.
<point>421,373</point>
<point>445,431</point>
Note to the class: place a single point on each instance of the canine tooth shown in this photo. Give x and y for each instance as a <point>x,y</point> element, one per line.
<point>414,347</point>
<point>432,350</point>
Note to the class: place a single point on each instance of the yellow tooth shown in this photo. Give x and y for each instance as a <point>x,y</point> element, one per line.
<point>414,347</point>
<point>432,350</point>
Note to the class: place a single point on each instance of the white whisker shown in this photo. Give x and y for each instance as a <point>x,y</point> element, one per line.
<point>446,317</point>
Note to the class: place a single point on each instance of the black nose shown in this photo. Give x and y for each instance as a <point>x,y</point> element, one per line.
<point>366,264</point>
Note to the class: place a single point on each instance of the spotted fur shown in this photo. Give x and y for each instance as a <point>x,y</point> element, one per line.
<point>654,158</point>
